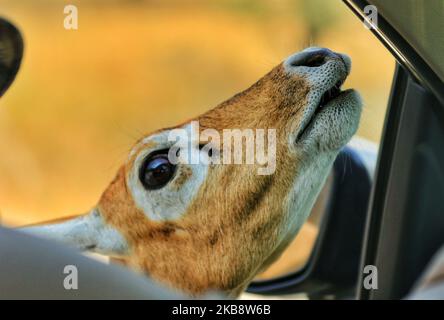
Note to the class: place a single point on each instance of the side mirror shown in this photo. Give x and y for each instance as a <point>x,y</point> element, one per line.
<point>11,52</point>
<point>333,268</point>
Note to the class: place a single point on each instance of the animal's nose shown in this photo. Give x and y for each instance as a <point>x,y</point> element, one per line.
<point>315,57</point>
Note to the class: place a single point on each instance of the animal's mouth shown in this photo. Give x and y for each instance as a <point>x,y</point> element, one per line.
<point>330,94</point>
<point>326,100</point>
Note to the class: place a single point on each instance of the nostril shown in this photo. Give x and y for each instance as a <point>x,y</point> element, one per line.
<point>314,61</point>
<point>314,58</point>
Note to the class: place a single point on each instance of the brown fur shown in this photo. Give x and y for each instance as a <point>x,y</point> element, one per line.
<point>228,234</point>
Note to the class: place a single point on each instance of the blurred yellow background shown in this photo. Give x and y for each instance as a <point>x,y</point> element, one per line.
<point>83,97</point>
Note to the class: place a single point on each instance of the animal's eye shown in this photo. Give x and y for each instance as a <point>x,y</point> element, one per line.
<point>156,171</point>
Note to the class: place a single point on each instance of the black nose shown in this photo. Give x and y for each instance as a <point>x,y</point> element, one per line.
<point>315,58</point>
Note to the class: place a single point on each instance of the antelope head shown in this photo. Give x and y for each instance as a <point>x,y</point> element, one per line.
<point>215,225</point>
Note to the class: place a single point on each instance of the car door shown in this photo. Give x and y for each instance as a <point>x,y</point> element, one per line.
<point>406,216</point>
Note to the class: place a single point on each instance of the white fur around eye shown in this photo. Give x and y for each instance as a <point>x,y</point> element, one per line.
<point>171,201</point>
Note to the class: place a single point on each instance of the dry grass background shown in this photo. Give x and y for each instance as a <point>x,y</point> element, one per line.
<point>83,97</point>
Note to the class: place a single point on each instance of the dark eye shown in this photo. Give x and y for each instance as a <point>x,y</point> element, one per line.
<point>156,171</point>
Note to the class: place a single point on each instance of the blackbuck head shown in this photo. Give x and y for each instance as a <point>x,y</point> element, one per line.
<point>214,225</point>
